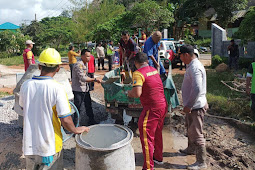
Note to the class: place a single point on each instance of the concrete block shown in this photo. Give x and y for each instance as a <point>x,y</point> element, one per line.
<point>218,36</point>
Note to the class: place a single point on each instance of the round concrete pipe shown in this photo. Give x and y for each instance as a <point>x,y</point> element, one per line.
<point>105,147</point>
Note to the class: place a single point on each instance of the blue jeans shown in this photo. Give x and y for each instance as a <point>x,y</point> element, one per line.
<point>162,69</point>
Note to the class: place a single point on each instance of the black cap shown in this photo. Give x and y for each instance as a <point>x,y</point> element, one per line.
<point>187,49</point>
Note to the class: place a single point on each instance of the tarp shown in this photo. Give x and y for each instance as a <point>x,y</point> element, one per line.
<point>171,92</point>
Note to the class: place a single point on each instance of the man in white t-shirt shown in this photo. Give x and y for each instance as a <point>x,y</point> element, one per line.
<point>45,108</point>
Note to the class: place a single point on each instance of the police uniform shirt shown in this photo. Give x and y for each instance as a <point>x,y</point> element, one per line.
<point>79,76</point>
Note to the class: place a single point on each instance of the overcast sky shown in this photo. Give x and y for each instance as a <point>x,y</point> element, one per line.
<point>17,11</point>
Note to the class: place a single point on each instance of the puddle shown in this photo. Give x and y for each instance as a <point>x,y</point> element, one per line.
<point>173,159</point>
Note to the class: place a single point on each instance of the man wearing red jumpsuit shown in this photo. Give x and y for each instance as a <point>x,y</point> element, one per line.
<point>148,86</point>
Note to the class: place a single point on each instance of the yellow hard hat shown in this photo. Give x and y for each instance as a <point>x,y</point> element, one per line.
<point>50,58</point>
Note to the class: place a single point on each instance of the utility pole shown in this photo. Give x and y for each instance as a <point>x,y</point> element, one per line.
<point>35,16</point>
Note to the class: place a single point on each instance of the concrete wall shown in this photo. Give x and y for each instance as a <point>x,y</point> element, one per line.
<point>220,44</point>
<point>218,36</point>
<point>250,50</point>
<point>225,48</point>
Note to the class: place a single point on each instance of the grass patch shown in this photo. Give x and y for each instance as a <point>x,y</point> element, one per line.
<point>15,60</point>
<point>3,94</point>
<point>222,100</point>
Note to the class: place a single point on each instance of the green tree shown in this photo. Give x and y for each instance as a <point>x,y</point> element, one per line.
<point>89,16</point>
<point>12,42</point>
<point>146,15</point>
<point>33,30</point>
<point>247,28</point>
<point>149,14</point>
<point>56,31</point>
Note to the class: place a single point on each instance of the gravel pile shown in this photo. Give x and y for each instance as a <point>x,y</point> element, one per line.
<point>8,117</point>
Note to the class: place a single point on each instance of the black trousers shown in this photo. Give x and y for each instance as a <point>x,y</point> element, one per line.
<point>71,69</point>
<point>110,57</point>
<point>91,84</point>
<point>100,61</point>
<point>84,99</point>
<point>233,62</point>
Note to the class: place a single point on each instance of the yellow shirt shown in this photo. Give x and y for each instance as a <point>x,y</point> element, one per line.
<point>71,56</point>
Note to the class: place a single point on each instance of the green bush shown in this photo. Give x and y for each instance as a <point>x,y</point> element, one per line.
<point>242,63</point>
<point>63,53</point>
<point>245,62</point>
<point>203,42</point>
<point>216,60</point>
<point>5,54</point>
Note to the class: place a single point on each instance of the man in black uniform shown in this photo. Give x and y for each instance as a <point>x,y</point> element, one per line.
<point>233,55</point>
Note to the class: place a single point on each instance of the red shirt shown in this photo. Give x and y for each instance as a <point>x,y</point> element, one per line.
<point>91,65</point>
<point>152,87</point>
<point>28,55</point>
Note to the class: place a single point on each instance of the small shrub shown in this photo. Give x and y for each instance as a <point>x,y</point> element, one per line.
<point>216,60</point>
<point>203,42</point>
<point>242,63</point>
<point>245,62</point>
<point>5,55</point>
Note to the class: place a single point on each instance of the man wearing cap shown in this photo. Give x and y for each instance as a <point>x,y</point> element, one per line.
<point>45,108</point>
<point>151,47</point>
<point>148,86</point>
<point>80,86</point>
<point>195,103</point>
<point>28,55</point>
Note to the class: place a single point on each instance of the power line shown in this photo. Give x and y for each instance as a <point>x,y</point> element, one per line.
<point>53,9</point>
<point>55,12</point>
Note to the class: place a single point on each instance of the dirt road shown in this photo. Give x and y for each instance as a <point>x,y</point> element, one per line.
<point>228,148</point>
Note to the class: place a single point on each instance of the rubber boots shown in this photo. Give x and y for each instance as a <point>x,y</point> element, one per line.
<point>201,159</point>
<point>190,150</point>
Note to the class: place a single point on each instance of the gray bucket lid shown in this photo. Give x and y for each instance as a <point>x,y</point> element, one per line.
<point>105,137</point>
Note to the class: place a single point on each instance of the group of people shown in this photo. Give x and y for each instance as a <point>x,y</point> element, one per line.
<point>42,138</point>
<point>103,52</point>
<point>147,85</point>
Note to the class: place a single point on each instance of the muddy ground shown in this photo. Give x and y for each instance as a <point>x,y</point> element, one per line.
<point>227,147</point>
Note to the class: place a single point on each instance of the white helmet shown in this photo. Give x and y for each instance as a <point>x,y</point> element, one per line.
<point>197,53</point>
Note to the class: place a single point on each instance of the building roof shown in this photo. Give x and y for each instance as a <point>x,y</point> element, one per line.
<point>8,26</point>
<point>236,15</point>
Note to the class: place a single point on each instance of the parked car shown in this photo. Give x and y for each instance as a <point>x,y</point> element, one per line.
<point>203,49</point>
<point>168,51</point>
